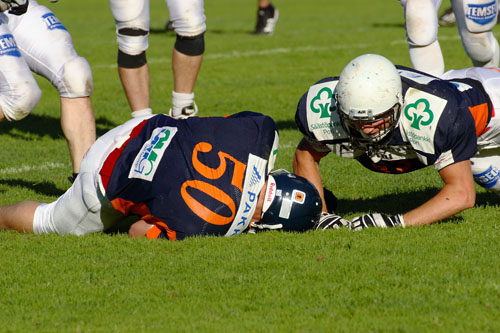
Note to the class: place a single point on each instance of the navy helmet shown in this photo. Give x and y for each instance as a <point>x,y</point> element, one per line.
<point>291,203</point>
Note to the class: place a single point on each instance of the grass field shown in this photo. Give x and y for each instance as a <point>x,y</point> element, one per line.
<point>444,277</point>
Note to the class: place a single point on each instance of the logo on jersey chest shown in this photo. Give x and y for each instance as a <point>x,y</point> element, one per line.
<point>481,13</point>
<point>52,22</point>
<point>148,159</point>
<point>8,46</point>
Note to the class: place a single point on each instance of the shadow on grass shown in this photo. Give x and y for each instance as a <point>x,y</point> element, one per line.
<point>44,188</point>
<point>35,126</point>
<point>171,33</point>
<point>389,25</point>
<point>286,125</point>
<point>397,203</point>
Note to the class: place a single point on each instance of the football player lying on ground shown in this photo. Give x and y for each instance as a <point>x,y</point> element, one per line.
<point>197,176</point>
<point>395,120</point>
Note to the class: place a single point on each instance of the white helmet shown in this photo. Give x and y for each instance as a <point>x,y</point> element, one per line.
<point>369,89</point>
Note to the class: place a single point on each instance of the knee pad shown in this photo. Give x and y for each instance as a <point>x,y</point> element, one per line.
<point>18,102</point>
<point>421,22</point>
<point>132,25</point>
<point>131,61</point>
<point>132,41</point>
<point>482,48</point>
<point>75,79</point>
<point>486,172</point>
<point>192,46</point>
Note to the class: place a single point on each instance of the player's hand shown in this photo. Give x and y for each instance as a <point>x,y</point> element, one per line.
<point>330,221</point>
<point>18,7</point>
<point>376,220</point>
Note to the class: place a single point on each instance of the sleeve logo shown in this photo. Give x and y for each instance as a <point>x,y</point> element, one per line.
<point>419,113</point>
<point>147,160</point>
<point>8,46</point>
<point>322,101</point>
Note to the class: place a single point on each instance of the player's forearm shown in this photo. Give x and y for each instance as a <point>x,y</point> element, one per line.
<point>305,166</point>
<point>448,202</point>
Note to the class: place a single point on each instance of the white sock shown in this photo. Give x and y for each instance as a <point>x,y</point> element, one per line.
<point>180,100</point>
<point>142,113</point>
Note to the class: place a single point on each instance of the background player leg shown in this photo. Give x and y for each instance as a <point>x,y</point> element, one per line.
<point>78,126</point>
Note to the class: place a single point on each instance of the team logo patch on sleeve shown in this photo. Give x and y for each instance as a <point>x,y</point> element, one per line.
<point>421,114</point>
<point>324,124</point>
<point>147,160</point>
<point>481,13</point>
<point>52,22</point>
<point>8,46</point>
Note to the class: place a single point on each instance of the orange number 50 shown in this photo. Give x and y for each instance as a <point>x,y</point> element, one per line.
<point>211,190</point>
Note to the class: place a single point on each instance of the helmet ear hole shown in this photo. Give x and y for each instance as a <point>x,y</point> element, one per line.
<point>293,203</point>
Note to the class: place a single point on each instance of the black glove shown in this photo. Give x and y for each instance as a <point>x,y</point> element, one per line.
<point>330,221</point>
<point>18,7</point>
<point>376,220</point>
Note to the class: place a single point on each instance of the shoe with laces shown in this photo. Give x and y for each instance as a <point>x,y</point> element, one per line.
<point>447,18</point>
<point>266,20</point>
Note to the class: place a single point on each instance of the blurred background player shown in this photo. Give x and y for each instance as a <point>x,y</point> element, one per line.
<point>177,178</point>
<point>267,16</point>
<point>132,28</point>
<point>45,45</point>
<point>447,18</point>
<point>475,19</point>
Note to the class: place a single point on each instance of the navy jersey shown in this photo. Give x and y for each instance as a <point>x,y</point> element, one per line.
<point>196,176</point>
<point>439,123</point>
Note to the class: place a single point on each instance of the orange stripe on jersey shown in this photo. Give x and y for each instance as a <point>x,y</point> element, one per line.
<point>156,230</point>
<point>127,207</point>
<point>481,117</point>
<point>153,233</point>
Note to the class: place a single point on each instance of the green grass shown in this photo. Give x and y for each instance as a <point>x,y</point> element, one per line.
<point>444,277</point>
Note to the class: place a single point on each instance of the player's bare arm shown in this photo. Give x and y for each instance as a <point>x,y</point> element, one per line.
<point>306,164</point>
<point>457,194</point>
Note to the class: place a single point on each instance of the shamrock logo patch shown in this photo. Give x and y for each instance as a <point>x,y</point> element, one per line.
<point>419,113</point>
<point>322,101</point>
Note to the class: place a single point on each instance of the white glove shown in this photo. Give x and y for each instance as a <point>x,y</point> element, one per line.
<point>376,220</point>
<point>330,221</point>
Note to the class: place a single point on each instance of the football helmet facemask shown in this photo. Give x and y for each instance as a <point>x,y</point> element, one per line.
<point>369,90</point>
<point>291,203</point>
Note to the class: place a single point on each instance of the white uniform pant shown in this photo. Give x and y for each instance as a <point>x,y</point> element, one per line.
<point>187,16</point>
<point>47,48</point>
<point>19,92</point>
<point>485,164</point>
<point>83,208</point>
<point>475,19</point>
